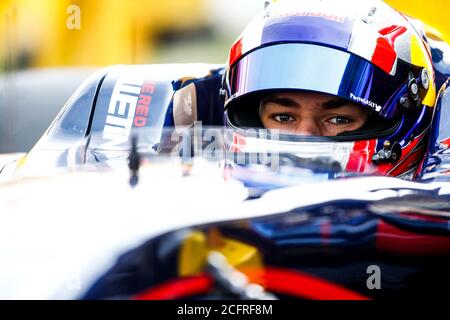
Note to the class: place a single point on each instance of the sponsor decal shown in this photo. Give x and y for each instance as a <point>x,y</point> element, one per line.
<point>144,102</point>
<point>366,102</point>
<point>129,105</point>
<point>323,15</point>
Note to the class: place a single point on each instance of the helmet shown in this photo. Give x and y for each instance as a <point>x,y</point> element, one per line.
<point>365,52</point>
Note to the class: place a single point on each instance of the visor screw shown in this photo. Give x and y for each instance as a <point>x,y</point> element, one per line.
<point>413,88</point>
<point>372,12</point>
<point>266,8</point>
<point>394,157</point>
<point>425,79</point>
<point>369,17</point>
<point>387,145</point>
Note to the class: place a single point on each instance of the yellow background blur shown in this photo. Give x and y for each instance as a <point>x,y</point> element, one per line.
<point>434,13</point>
<point>34,33</point>
<point>111,31</point>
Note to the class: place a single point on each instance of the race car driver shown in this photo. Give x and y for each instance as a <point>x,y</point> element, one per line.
<point>357,72</point>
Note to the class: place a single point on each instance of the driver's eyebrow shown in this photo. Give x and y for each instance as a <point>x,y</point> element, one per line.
<point>332,104</point>
<point>285,102</point>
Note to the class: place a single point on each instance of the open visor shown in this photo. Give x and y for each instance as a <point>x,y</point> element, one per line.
<point>300,66</point>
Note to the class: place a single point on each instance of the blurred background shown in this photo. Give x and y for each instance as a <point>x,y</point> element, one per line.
<point>49,33</point>
<point>48,47</point>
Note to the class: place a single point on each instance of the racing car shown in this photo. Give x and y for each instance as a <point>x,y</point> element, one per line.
<point>137,191</point>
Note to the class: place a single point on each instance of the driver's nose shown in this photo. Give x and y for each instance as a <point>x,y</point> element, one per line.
<point>308,127</point>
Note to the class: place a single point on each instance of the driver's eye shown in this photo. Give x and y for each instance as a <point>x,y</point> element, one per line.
<point>340,120</point>
<point>283,118</point>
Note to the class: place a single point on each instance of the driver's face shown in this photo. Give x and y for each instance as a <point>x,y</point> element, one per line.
<point>311,114</point>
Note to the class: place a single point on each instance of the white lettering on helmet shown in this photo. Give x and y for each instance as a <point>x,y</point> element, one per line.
<point>366,102</point>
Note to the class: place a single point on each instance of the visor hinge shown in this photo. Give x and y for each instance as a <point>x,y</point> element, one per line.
<point>415,88</point>
<point>390,153</point>
<point>411,101</point>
